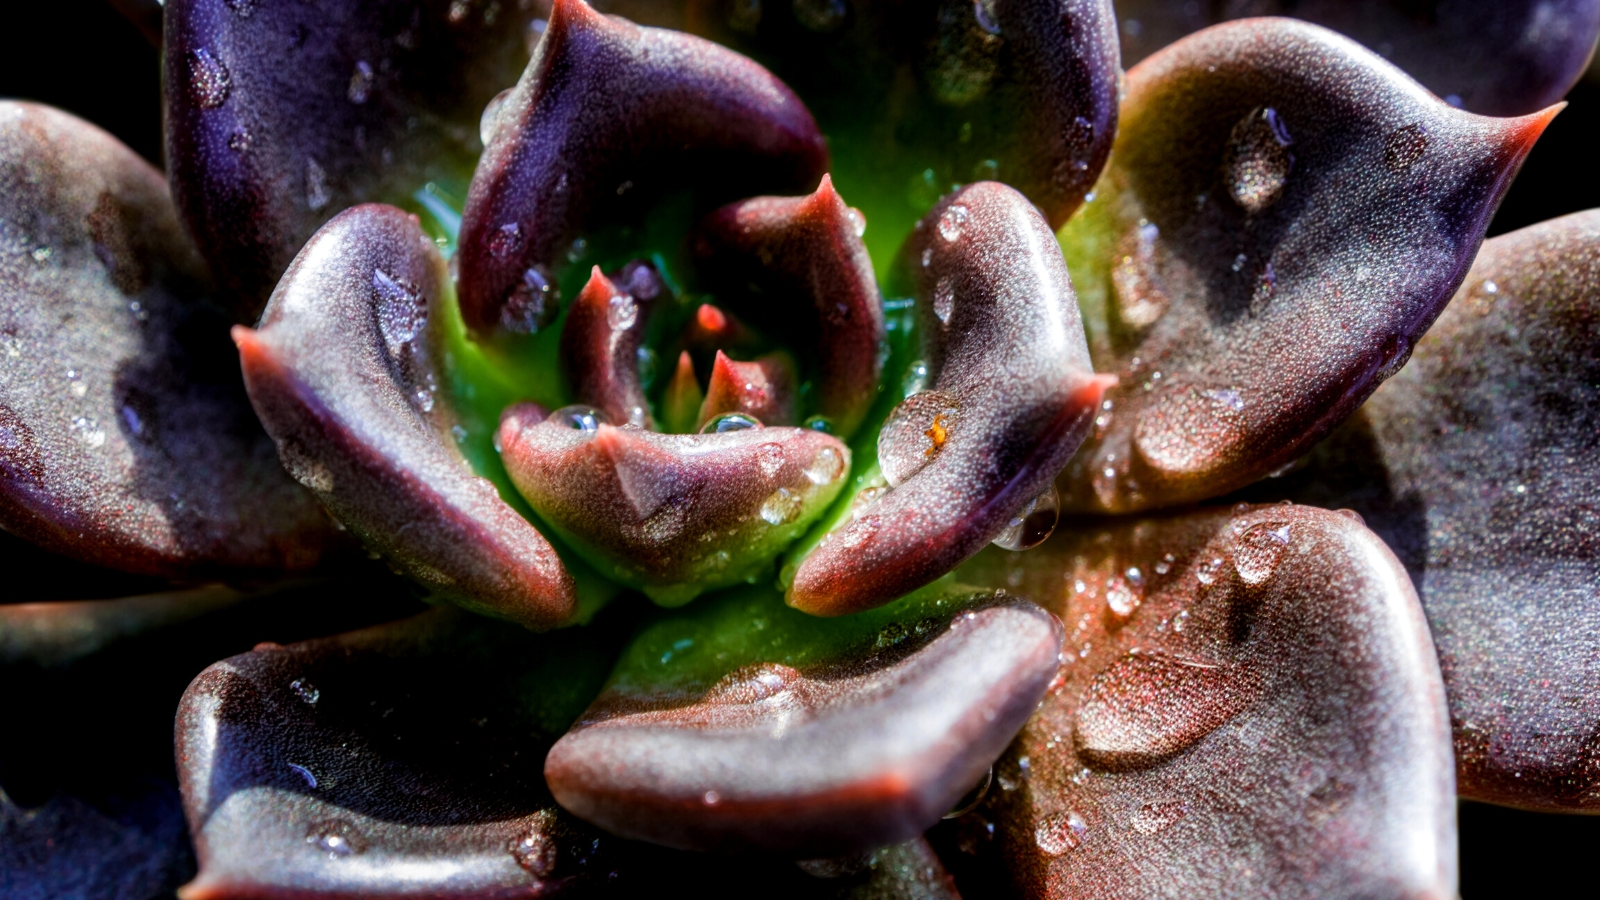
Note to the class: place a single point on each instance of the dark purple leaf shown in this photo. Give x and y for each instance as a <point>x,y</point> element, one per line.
<point>279,115</point>
<point>1496,57</point>
<point>1284,216</point>
<point>839,753</point>
<point>799,265</point>
<point>763,389</point>
<point>1478,463</point>
<point>346,375</point>
<point>600,342</point>
<point>1010,396</point>
<point>1249,705</point>
<point>125,438</point>
<point>609,113</point>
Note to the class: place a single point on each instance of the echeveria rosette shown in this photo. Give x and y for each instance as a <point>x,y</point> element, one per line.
<point>668,355</point>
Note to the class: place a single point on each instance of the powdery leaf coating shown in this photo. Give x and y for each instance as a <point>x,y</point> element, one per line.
<point>1478,463</point>
<point>279,115</point>
<point>672,514</point>
<point>763,389</point>
<point>1010,397</point>
<point>797,266</point>
<point>344,373</point>
<point>600,342</point>
<point>1249,705</point>
<point>606,113</point>
<point>125,438</point>
<point>402,760</point>
<point>837,758</point>
<point>1285,215</point>
<point>1495,57</point>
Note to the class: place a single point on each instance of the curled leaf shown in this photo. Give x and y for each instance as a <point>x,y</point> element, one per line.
<point>1274,185</point>
<point>799,265</point>
<point>744,725</point>
<point>398,760</point>
<point>1011,395</point>
<point>673,514</point>
<point>1477,464</point>
<point>280,115</point>
<point>1495,57</point>
<point>345,374</point>
<point>1249,704</point>
<point>644,109</point>
<point>125,437</point>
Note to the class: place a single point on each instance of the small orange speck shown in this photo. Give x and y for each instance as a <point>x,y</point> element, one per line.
<point>937,434</point>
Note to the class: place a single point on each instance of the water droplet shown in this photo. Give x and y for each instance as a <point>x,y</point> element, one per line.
<point>41,254</point>
<point>490,120</point>
<point>944,300</point>
<point>209,81</point>
<point>1404,146</point>
<point>820,16</point>
<point>711,798</point>
<point>505,240</point>
<point>305,774</point>
<point>1165,565</point>
<point>953,220</point>
<point>1154,817</point>
<point>1227,398</point>
<point>1145,707</point>
<point>1060,832</point>
<point>821,424</point>
<point>730,422</point>
<point>1208,571</point>
<point>858,221</point>
<point>1256,553</point>
<point>1258,159</point>
<point>360,82</point>
<point>1122,596</point>
<point>927,257</point>
<point>752,684</point>
<point>983,11</point>
<point>860,529</point>
<point>1352,515</point>
<point>305,690</point>
<point>532,305</point>
<point>76,384</point>
<point>336,837</point>
<point>89,432</point>
<point>317,195</point>
<point>401,309</point>
<point>825,467</point>
<point>304,468</point>
<point>1136,280</point>
<point>622,312</point>
<point>970,800</point>
<point>579,418</point>
<point>916,378</point>
<point>915,433</point>
<point>536,853</point>
<point>1489,287</point>
<point>781,507</point>
<point>1033,523</point>
<point>890,635</point>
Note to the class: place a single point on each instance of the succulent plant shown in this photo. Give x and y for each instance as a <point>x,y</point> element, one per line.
<point>838,448</point>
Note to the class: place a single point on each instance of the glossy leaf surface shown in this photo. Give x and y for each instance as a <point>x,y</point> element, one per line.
<point>346,375</point>
<point>1496,57</point>
<point>125,437</point>
<point>798,266</point>
<point>402,760</point>
<point>1249,705</point>
<point>745,725</point>
<point>280,115</point>
<point>1478,463</point>
<point>673,514</point>
<point>1010,395</point>
<point>1274,186</point>
<point>607,113</point>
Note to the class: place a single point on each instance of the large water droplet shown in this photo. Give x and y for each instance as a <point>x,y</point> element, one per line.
<point>820,16</point>
<point>336,837</point>
<point>1258,159</point>
<point>1060,832</point>
<point>944,300</point>
<point>953,220</point>
<point>1404,146</point>
<point>360,87</point>
<point>579,418</point>
<point>916,433</point>
<point>752,684</point>
<point>825,467</point>
<point>536,852</point>
<point>1256,553</point>
<point>916,378</point>
<point>401,309</point>
<point>209,81</point>
<point>730,422</point>
<point>532,305</point>
<point>1033,523</point>
<point>1146,707</point>
<point>622,312</point>
<point>489,122</point>
<point>781,507</point>
<point>1123,594</point>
